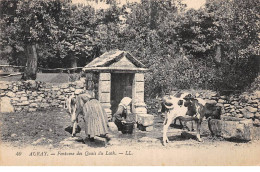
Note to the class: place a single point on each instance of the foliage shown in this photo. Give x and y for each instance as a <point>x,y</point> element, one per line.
<point>215,47</point>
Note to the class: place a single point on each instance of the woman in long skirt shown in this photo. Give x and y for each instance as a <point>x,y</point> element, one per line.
<point>96,120</point>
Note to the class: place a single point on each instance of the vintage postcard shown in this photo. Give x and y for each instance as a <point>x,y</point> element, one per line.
<point>129,83</point>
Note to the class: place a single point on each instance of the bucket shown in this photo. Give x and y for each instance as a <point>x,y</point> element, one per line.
<point>127,128</point>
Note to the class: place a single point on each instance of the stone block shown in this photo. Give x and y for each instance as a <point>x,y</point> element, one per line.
<point>5,105</point>
<point>33,105</point>
<point>104,76</point>
<point>139,77</point>
<point>61,97</point>
<point>24,98</point>
<point>32,109</point>
<point>3,86</point>
<point>11,94</point>
<point>34,94</point>
<point>104,86</point>
<point>247,114</point>
<point>18,109</point>
<point>139,86</point>
<point>221,101</point>
<point>145,119</point>
<point>104,97</point>
<point>239,130</point>
<point>257,115</point>
<point>67,90</point>
<point>55,88</point>
<point>140,110</point>
<point>211,102</point>
<point>139,97</point>
<point>79,84</point>
<point>79,91</point>
<point>215,126</point>
<point>24,103</point>
<point>144,128</point>
<point>251,109</point>
<point>149,128</point>
<point>64,85</point>
<point>112,126</point>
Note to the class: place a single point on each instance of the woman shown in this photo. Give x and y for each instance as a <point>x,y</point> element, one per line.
<point>95,117</point>
<point>123,113</point>
<point>96,120</point>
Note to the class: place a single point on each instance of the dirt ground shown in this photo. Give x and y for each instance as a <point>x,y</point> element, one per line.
<point>46,129</point>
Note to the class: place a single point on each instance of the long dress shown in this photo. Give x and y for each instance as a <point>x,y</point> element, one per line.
<point>96,120</point>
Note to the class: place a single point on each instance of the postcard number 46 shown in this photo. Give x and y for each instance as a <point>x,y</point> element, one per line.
<point>18,153</point>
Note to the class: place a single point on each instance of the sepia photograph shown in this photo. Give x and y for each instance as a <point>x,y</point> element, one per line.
<point>129,83</point>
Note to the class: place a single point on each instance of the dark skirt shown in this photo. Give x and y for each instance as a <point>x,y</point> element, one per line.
<point>96,120</point>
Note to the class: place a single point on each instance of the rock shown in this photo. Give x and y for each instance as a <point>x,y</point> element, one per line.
<point>255,101</point>
<point>11,94</point>
<point>13,135</point>
<point>64,86</point>
<point>33,105</point>
<point>232,110</point>
<point>239,130</point>
<point>55,88</point>
<point>24,103</point>
<point>79,84</point>
<point>215,126</point>
<point>145,119</point>
<point>112,126</point>
<point>257,94</point>
<point>257,115</point>
<point>211,102</point>
<point>32,109</point>
<point>67,90</point>
<point>251,109</point>
<point>247,114</point>
<point>31,83</point>
<point>149,128</point>
<point>24,98</point>
<point>4,86</point>
<point>5,105</point>
<point>18,109</point>
<point>49,141</point>
<point>79,91</point>
<point>72,89</point>
<point>39,141</point>
<point>256,123</point>
<point>221,101</point>
<point>62,97</point>
<point>239,115</point>
<point>226,105</point>
<point>223,97</point>
<point>219,104</point>
<point>34,94</point>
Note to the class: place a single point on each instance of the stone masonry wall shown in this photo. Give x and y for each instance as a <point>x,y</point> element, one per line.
<point>33,95</point>
<point>245,106</point>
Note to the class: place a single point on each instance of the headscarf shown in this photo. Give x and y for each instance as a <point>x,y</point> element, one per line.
<point>125,102</point>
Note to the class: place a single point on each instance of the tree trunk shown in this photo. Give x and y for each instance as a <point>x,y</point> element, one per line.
<point>73,63</point>
<point>31,65</point>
